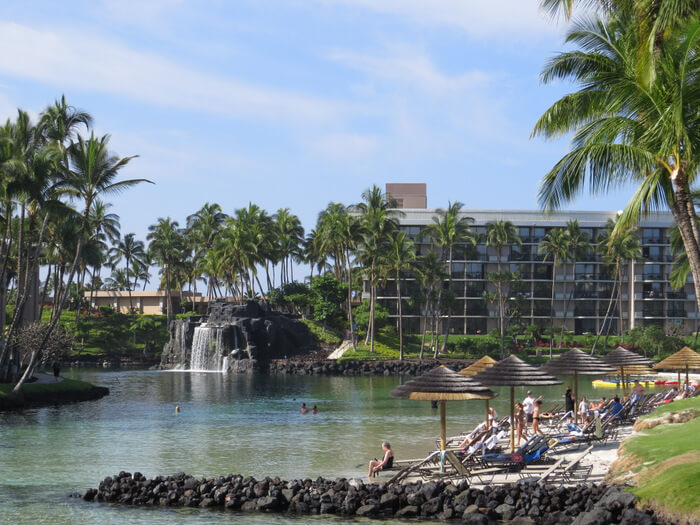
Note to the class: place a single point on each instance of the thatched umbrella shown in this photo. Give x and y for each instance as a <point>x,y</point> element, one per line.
<point>574,363</point>
<point>685,359</point>
<point>626,360</point>
<point>476,367</point>
<point>442,384</point>
<point>513,372</point>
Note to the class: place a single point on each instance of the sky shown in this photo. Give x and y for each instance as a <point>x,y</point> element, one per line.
<point>297,103</point>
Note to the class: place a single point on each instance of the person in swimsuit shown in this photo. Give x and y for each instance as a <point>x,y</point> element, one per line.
<point>519,421</point>
<point>387,462</point>
<point>536,416</point>
<point>303,409</point>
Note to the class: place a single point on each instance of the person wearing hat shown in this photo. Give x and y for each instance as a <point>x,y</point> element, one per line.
<point>529,407</point>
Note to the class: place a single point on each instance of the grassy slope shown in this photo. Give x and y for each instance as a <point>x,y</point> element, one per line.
<point>691,404</point>
<point>106,336</point>
<point>669,477</point>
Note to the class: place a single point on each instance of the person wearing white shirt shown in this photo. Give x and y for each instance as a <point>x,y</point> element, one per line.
<point>528,408</point>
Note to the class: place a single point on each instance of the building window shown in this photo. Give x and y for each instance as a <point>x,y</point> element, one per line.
<point>475,271</point>
<point>651,236</point>
<point>653,272</point>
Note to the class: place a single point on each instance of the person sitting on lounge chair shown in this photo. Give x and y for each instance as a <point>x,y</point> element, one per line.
<point>386,462</point>
<point>615,407</point>
<point>597,407</point>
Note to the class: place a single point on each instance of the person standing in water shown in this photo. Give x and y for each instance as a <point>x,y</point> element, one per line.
<point>303,408</point>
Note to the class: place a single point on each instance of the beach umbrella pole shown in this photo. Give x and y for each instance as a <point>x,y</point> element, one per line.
<point>622,380</point>
<point>687,377</point>
<point>443,426</point>
<point>512,419</point>
<point>487,414</point>
<point>576,397</point>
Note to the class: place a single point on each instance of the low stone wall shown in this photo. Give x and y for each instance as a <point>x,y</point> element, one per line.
<point>524,503</point>
<point>390,367</point>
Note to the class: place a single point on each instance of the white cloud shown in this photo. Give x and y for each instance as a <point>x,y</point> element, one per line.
<point>505,19</point>
<point>412,67</point>
<point>69,59</point>
<point>345,145</point>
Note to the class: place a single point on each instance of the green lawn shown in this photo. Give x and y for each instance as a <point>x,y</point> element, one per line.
<point>675,485</point>
<point>31,389</point>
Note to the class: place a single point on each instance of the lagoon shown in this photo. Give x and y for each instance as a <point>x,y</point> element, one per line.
<point>243,424</point>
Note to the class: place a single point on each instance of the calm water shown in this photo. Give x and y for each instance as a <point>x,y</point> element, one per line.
<point>228,424</point>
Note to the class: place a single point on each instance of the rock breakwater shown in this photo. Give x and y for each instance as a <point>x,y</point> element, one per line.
<point>523,503</point>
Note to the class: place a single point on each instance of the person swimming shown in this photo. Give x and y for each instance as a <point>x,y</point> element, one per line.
<point>303,409</point>
<point>314,410</point>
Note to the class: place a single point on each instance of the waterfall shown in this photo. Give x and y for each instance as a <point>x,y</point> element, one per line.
<point>207,348</point>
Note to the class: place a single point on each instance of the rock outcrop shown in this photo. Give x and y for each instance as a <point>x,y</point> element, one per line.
<point>236,338</point>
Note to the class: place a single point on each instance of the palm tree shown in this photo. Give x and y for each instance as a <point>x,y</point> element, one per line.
<point>133,252</point>
<point>399,258</point>
<point>500,234</point>
<point>119,280</point>
<point>555,246</point>
<point>104,227</point>
<point>578,244</point>
<point>377,222</point>
<point>203,228</point>
<point>654,23</point>
<point>92,173</point>
<point>430,271</point>
<point>625,129</point>
<point>290,234</point>
<point>165,248</point>
<point>616,250</point>
<point>336,234</point>
<point>446,231</point>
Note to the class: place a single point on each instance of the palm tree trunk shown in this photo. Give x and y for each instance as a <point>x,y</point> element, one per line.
<point>551,311</point>
<point>372,291</point>
<point>169,298</point>
<point>422,339</point>
<point>398,300</point>
<point>619,304</point>
<point>684,214</point>
<point>45,291</point>
<point>61,306</point>
<point>606,318</point>
<point>350,320</point>
<point>446,329</point>
<point>128,288</point>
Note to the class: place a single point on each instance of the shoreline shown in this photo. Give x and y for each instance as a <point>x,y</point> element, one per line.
<point>47,393</point>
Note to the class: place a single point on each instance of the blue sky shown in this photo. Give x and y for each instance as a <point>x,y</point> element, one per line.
<point>296,103</point>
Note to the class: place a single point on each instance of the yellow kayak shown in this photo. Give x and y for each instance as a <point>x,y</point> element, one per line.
<point>616,383</point>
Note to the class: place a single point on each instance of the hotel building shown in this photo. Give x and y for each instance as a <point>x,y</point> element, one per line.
<point>647,297</point>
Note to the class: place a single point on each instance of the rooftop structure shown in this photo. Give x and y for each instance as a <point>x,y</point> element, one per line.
<point>408,195</point>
